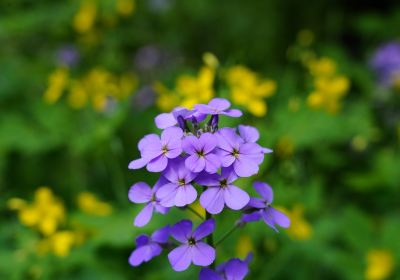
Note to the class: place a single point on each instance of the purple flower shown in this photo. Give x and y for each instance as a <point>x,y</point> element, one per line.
<point>166,120</point>
<point>221,191</point>
<point>386,63</point>
<point>234,269</point>
<point>218,106</point>
<point>250,134</point>
<point>263,209</point>
<point>142,193</point>
<point>178,191</point>
<point>68,56</point>
<point>155,152</point>
<point>149,247</point>
<point>193,249</point>
<point>244,157</point>
<point>200,150</point>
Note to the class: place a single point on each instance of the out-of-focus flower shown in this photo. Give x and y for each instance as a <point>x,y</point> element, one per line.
<point>60,243</point>
<point>329,87</point>
<point>45,214</point>
<point>300,228</point>
<point>125,7</point>
<point>244,246</point>
<point>385,62</point>
<point>234,269</point>
<point>248,90</point>
<point>189,90</point>
<point>85,18</point>
<point>57,83</point>
<point>149,57</point>
<point>380,264</point>
<point>67,56</point>
<point>144,98</point>
<point>90,204</point>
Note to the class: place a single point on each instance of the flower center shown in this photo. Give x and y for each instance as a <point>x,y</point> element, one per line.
<point>200,153</point>
<point>164,149</point>
<point>191,241</point>
<point>235,153</point>
<point>181,182</point>
<point>223,183</point>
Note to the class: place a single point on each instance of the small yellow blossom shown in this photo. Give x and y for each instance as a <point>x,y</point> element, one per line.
<point>90,204</point>
<point>57,83</point>
<point>60,243</point>
<point>300,228</point>
<point>248,90</point>
<point>125,7</point>
<point>324,66</point>
<point>210,60</point>
<point>85,18</point>
<point>380,265</point>
<point>244,246</point>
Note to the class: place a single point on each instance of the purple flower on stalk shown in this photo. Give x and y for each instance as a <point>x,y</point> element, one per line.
<point>149,247</point>
<point>218,106</point>
<point>234,269</point>
<point>244,157</point>
<point>177,116</point>
<point>155,151</point>
<point>221,191</point>
<point>200,150</point>
<point>142,193</point>
<point>263,210</point>
<point>193,249</point>
<point>250,134</point>
<point>178,191</point>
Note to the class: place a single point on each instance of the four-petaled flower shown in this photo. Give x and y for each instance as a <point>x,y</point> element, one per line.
<point>234,269</point>
<point>149,247</point>
<point>155,152</point>
<point>179,190</point>
<point>200,150</point>
<point>250,134</point>
<point>263,209</point>
<point>193,249</point>
<point>221,191</point>
<point>142,193</point>
<point>218,106</point>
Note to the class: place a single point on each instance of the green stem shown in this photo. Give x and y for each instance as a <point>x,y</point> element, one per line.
<point>226,235</point>
<point>210,238</point>
<point>194,212</point>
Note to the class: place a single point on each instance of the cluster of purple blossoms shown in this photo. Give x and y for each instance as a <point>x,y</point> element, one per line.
<point>198,160</point>
<point>385,62</point>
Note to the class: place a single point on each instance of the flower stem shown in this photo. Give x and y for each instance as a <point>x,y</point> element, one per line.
<point>226,235</point>
<point>210,238</point>
<point>194,212</point>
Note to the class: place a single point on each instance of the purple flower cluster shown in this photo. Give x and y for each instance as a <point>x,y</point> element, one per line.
<point>197,159</point>
<point>385,62</point>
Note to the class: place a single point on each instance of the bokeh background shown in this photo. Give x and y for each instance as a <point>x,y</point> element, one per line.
<point>82,80</point>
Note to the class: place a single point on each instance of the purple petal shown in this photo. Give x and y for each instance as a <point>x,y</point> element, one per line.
<point>161,182</point>
<point>234,113</point>
<point>190,144</point>
<point>264,190</point>
<point>250,149</point>
<point>152,148</point>
<point>219,104</point>
<point>204,229</point>
<point>195,163</point>
<point>212,162</point>
<point>158,164</point>
<point>208,142</point>
<point>249,134</point>
<point>236,269</point>
<point>180,258</point>
<point>244,166</point>
<point>252,217</point>
<point>256,202</point>
<point>161,235</point>
<point>137,163</point>
<point>229,174</point>
<point>182,230</point>
<point>170,135</point>
<point>203,254</point>
<point>185,195</point>
<point>144,215</point>
<point>171,173</point>
<point>228,139</point>
<point>235,198</point>
<point>206,179</point>
<point>144,254</point>
<point>148,140</point>
<point>266,150</point>
<point>208,274</point>
<point>161,209</point>
<point>166,195</point>
<point>213,200</point>
<point>142,240</point>
<point>273,217</point>
<point>227,159</point>
<point>140,193</point>
<point>165,120</point>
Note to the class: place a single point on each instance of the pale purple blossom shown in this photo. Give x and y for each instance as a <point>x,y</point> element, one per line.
<point>142,193</point>
<point>192,248</point>
<point>234,269</point>
<point>155,151</point>
<point>250,134</point>
<point>218,106</point>
<point>201,153</point>
<point>221,191</point>
<point>148,247</point>
<point>178,191</point>
<point>179,114</point>
<point>262,208</point>
<point>385,62</point>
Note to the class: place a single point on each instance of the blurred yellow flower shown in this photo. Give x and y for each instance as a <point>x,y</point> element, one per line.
<point>189,90</point>
<point>90,204</point>
<point>125,7</point>
<point>85,18</point>
<point>300,228</point>
<point>380,265</point>
<point>60,243</point>
<point>57,83</point>
<point>244,246</point>
<point>45,213</point>
<point>248,90</point>
<point>329,86</point>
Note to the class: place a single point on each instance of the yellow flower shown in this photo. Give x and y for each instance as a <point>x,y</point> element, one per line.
<point>380,265</point>
<point>57,83</point>
<point>324,66</point>
<point>244,246</point>
<point>78,97</point>
<point>210,60</point>
<point>62,242</point>
<point>90,204</point>
<point>248,90</point>
<point>300,228</point>
<point>85,18</point>
<point>125,7</point>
